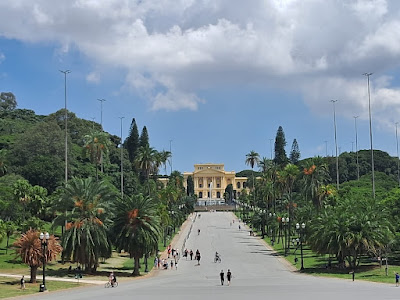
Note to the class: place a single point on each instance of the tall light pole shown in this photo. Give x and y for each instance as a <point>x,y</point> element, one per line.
<point>301,228</point>
<point>370,135</point>
<point>101,123</point>
<point>101,112</point>
<point>397,148</point>
<point>270,146</point>
<point>44,239</point>
<point>122,165</point>
<point>66,123</point>
<point>336,147</point>
<point>170,151</point>
<point>358,166</point>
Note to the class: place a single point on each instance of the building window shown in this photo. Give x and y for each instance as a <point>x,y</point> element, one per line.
<point>201,195</point>
<point>218,195</point>
<point>244,185</point>
<point>238,185</point>
<point>200,185</point>
<point>208,194</point>
<point>218,185</point>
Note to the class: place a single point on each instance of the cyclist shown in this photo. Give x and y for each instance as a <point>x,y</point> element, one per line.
<point>112,279</point>
<point>217,257</point>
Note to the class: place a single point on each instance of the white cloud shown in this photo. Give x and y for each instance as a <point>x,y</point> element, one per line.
<point>93,77</point>
<point>171,49</point>
<point>2,57</point>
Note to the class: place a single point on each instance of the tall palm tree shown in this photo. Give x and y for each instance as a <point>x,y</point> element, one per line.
<point>29,248</point>
<point>136,227</point>
<point>3,162</point>
<point>145,161</point>
<point>252,159</point>
<point>165,156</point>
<point>265,164</point>
<point>315,175</point>
<point>85,238</point>
<point>96,144</point>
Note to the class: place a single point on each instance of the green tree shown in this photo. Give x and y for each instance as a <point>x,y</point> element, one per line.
<point>252,159</point>
<point>3,162</point>
<point>280,152</point>
<point>294,156</point>
<point>132,142</point>
<point>190,186</point>
<point>136,227</point>
<point>85,238</point>
<point>29,248</point>
<point>145,161</point>
<point>355,227</point>
<point>144,138</point>
<point>315,176</point>
<point>7,101</point>
<point>96,145</point>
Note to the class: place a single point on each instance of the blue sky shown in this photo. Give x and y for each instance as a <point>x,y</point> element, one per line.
<point>217,78</point>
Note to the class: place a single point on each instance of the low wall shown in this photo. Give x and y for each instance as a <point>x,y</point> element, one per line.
<point>215,207</point>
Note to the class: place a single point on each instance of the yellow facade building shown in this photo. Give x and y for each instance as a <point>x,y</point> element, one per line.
<point>210,182</point>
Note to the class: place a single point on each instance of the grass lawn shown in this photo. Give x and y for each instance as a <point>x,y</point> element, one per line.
<point>317,265</point>
<point>120,263</point>
<point>10,287</point>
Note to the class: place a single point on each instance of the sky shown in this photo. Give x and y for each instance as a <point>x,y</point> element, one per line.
<point>212,80</point>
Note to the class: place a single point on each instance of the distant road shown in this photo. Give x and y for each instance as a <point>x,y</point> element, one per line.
<point>258,274</point>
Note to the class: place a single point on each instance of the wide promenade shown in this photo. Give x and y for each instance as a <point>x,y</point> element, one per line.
<point>257,273</point>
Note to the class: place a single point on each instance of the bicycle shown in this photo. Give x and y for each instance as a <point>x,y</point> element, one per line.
<point>109,285</point>
<point>217,259</point>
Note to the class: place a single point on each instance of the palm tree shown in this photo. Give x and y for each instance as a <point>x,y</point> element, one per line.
<point>136,227</point>
<point>145,161</point>
<point>352,228</point>
<point>315,175</point>
<point>252,159</point>
<point>10,228</point>
<point>265,164</point>
<point>164,157</point>
<point>29,248</point>
<point>85,238</point>
<point>96,145</point>
<point>3,162</point>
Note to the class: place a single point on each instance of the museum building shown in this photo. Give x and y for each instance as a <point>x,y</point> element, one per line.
<point>210,181</point>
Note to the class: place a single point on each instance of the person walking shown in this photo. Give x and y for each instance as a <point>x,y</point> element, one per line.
<point>222,277</point>
<point>191,254</point>
<point>397,276</point>
<point>228,276</point>
<point>198,256</point>
<point>23,282</point>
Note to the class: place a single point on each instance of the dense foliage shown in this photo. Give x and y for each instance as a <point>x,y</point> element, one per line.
<point>90,205</point>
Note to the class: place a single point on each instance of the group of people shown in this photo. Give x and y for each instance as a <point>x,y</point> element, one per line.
<point>162,263</point>
<point>228,276</point>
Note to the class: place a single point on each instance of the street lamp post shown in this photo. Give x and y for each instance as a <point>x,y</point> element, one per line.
<point>170,151</point>
<point>301,228</point>
<point>44,238</point>
<point>270,146</point>
<point>122,165</point>
<point>370,136</point>
<point>285,222</point>
<point>397,148</point>
<point>101,123</point>
<point>336,147</point>
<point>66,123</point>
<point>358,167</point>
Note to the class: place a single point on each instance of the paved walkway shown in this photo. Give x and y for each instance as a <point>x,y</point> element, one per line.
<point>27,278</point>
<point>257,273</point>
